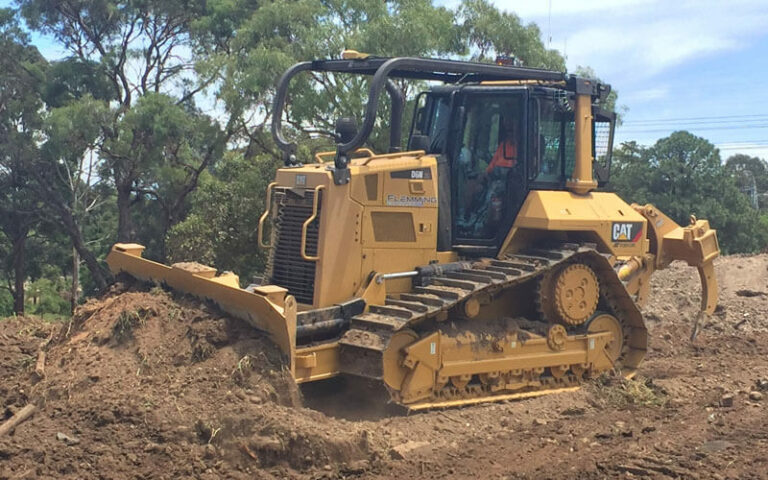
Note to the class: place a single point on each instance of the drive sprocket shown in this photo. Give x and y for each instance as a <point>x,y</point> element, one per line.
<point>569,295</point>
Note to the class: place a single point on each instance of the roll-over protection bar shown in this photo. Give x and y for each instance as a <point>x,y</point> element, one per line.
<point>382,70</point>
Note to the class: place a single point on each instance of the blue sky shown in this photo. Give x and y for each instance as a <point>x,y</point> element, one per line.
<point>698,65</point>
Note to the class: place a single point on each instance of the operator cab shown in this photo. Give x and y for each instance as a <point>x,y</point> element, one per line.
<point>494,144</point>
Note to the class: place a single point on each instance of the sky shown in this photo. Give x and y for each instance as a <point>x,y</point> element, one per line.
<point>696,65</point>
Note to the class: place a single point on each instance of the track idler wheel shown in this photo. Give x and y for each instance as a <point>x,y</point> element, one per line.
<point>394,372</point>
<point>605,322</point>
<point>569,295</point>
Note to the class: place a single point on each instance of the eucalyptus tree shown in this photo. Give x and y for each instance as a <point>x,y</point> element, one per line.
<point>21,74</point>
<point>142,51</point>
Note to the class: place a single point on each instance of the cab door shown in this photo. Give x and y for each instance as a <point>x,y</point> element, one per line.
<point>488,163</point>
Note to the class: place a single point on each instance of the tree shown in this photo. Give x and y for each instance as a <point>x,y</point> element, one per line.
<point>682,175</point>
<point>222,227</point>
<point>163,147</point>
<point>21,68</point>
<point>65,177</point>
<point>139,49</point>
<point>751,174</point>
<point>490,32</point>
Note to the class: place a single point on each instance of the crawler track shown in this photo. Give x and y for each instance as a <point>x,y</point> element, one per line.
<point>377,341</point>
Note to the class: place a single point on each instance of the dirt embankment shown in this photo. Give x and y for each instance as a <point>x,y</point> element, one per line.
<point>143,384</point>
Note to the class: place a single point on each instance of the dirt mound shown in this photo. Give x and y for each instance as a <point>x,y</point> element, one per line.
<point>147,385</point>
<point>21,338</point>
<point>141,384</point>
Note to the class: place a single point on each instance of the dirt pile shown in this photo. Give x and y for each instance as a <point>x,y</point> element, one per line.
<point>20,342</point>
<point>147,385</point>
<point>143,385</point>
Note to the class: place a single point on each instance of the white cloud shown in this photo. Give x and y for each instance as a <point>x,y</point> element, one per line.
<point>655,93</point>
<point>641,38</point>
<point>541,8</point>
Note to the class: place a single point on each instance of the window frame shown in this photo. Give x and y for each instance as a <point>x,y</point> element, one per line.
<point>452,149</point>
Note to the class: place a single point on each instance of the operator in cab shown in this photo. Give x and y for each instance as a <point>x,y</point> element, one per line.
<point>494,144</point>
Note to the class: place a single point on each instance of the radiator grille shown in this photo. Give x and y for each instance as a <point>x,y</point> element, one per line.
<point>287,268</point>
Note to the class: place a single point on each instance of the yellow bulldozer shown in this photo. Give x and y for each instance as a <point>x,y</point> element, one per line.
<point>485,261</point>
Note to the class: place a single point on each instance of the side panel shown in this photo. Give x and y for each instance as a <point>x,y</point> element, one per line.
<point>384,220</point>
<point>338,270</point>
<point>601,217</point>
<point>399,232</point>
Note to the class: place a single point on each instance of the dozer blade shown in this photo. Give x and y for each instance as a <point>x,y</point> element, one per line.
<point>267,308</point>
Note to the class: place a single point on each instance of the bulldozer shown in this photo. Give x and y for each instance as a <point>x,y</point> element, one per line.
<point>485,260</point>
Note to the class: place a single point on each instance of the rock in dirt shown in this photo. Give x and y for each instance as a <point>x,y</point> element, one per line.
<point>573,411</point>
<point>539,421</point>
<point>400,452</point>
<point>755,396</point>
<point>716,446</point>
<point>749,293</point>
<point>69,440</point>
<point>356,467</point>
<point>726,400</point>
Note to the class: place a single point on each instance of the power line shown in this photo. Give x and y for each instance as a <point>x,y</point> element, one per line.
<point>682,119</point>
<point>745,143</point>
<point>663,130</point>
<point>764,147</point>
<point>702,122</point>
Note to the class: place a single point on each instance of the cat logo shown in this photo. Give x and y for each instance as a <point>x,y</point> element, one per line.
<point>626,232</point>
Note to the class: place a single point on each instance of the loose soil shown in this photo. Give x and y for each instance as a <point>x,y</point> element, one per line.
<point>147,384</point>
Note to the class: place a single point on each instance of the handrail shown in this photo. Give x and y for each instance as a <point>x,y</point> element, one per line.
<point>382,156</point>
<point>315,202</point>
<point>320,155</point>
<point>264,216</point>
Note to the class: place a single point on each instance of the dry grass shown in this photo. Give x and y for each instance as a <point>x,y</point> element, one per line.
<point>612,390</point>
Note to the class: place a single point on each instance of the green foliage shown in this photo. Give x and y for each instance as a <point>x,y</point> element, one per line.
<point>490,32</point>
<point>73,78</point>
<point>221,229</point>
<point>47,295</point>
<point>610,390</point>
<point>683,175</point>
<point>160,149</point>
<point>751,175</point>
<point>6,304</point>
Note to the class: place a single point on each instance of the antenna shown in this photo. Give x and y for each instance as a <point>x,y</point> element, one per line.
<point>565,48</point>
<point>549,26</point>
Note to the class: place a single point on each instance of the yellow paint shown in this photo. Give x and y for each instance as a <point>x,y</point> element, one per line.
<point>582,182</point>
<point>588,217</point>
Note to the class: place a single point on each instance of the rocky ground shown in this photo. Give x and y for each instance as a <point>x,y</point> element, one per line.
<point>143,384</point>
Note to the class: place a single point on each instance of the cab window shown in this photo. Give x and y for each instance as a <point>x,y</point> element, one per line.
<point>485,164</point>
<point>552,138</point>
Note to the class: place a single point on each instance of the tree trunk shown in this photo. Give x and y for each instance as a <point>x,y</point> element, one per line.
<point>74,295</point>
<point>19,271</point>
<point>124,224</point>
<point>100,275</point>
